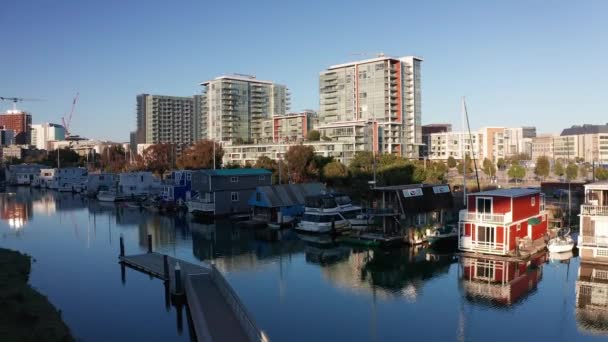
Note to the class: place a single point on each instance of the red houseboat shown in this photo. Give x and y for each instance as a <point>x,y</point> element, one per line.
<point>500,221</point>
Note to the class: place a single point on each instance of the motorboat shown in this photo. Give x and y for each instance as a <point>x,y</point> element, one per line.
<point>322,215</point>
<point>107,195</point>
<point>442,234</point>
<point>562,243</point>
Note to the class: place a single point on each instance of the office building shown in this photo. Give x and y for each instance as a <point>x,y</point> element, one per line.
<point>7,137</point>
<point>42,134</point>
<point>234,108</point>
<point>20,122</point>
<point>165,119</point>
<point>383,93</point>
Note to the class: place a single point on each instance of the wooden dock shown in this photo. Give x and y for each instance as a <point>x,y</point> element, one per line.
<point>217,312</point>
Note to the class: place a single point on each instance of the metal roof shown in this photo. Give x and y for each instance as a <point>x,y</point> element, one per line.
<point>236,172</point>
<point>285,195</point>
<point>513,192</point>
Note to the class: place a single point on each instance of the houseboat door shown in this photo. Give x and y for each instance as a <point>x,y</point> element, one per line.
<point>485,235</point>
<point>483,207</point>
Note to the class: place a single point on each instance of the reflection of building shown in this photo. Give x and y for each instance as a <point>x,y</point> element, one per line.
<point>499,281</point>
<point>592,298</point>
<point>44,205</point>
<point>593,239</point>
<point>14,212</point>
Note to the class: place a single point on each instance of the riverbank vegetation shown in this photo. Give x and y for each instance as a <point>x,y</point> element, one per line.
<point>26,314</point>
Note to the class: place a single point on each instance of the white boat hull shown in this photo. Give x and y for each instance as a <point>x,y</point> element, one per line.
<point>106,197</point>
<point>560,245</point>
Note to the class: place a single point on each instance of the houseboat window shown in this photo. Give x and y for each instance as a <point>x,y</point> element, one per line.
<point>142,178</point>
<point>484,205</point>
<point>100,177</point>
<point>262,178</point>
<point>518,226</point>
<point>234,179</point>
<point>321,218</point>
<point>600,274</point>
<point>533,201</point>
<point>601,252</point>
<point>485,234</point>
<point>420,218</point>
<point>234,196</point>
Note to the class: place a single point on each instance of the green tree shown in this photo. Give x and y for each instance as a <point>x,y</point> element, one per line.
<point>435,172</point>
<point>488,167</point>
<point>335,172</point>
<point>584,171</point>
<point>543,167</point>
<point>558,168</point>
<point>601,173</point>
<point>516,171</point>
<point>501,164</point>
<point>362,164</point>
<point>451,162</point>
<point>200,156</point>
<point>469,164</point>
<point>313,135</point>
<point>571,171</point>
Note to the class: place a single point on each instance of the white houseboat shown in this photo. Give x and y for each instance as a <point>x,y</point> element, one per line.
<point>133,185</point>
<point>322,215</point>
<point>48,178</point>
<point>71,179</point>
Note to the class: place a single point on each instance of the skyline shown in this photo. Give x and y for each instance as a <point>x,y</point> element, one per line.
<point>112,52</point>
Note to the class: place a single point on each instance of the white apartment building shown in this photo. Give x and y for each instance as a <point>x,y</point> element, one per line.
<point>383,93</point>
<point>42,134</point>
<point>291,127</point>
<point>234,108</point>
<point>83,147</point>
<point>450,144</point>
<point>542,145</point>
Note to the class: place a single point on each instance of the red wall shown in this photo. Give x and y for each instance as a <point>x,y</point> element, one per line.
<point>522,207</point>
<point>501,205</point>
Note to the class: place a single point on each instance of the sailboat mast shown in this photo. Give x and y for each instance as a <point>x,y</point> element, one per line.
<point>464,158</point>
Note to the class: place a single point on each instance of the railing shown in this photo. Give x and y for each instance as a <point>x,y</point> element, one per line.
<point>473,216</point>
<point>251,329</point>
<point>202,206</point>
<point>594,210</point>
<point>467,244</point>
<point>484,289</point>
<point>593,241</point>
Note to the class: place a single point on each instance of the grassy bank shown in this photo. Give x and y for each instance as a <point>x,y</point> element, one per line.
<point>26,314</point>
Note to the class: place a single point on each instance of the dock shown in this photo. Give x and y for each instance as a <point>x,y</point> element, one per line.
<point>217,312</point>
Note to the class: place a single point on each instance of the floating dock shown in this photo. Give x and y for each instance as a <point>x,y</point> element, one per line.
<point>217,312</point>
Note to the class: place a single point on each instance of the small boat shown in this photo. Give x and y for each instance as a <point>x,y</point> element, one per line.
<point>322,215</point>
<point>562,243</point>
<point>442,234</point>
<point>106,196</point>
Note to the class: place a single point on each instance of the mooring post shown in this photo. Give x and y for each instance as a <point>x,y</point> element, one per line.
<point>178,279</point>
<point>123,273</point>
<point>122,246</point>
<point>166,266</point>
<point>149,243</point>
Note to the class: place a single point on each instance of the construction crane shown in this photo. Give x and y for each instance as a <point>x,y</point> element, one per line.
<point>66,124</point>
<point>14,100</point>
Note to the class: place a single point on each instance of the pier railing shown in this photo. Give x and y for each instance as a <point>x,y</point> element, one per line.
<point>251,329</point>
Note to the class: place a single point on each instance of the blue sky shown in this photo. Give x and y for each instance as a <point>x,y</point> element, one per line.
<point>541,63</point>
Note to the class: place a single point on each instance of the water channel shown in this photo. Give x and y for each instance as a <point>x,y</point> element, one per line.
<point>297,290</point>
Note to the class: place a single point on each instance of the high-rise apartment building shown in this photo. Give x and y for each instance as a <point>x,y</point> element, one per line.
<point>291,127</point>
<point>383,94</point>
<point>43,133</point>
<point>167,120</point>
<point>452,144</point>
<point>429,129</point>
<point>235,107</point>
<point>20,122</point>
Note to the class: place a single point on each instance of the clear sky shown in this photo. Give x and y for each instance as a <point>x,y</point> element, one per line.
<point>541,63</point>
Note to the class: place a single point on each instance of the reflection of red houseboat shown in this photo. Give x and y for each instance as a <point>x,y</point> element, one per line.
<point>592,298</point>
<point>499,281</point>
<point>498,221</point>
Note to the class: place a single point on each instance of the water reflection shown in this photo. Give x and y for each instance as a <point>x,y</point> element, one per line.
<point>592,298</point>
<point>500,283</point>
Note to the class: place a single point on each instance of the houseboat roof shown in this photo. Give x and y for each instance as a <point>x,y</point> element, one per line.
<point>420,198</point>
<point>236,172</point>
<point>513,192</point>
<point>285,195</point>
<point>602,185</point>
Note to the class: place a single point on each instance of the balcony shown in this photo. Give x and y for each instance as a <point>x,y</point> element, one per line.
<point>593,241</point>
<point>594,210</point>
<point>465,243</point>
<point>472,216</point>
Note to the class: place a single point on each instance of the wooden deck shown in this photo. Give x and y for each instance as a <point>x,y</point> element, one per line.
<point>217,313</point>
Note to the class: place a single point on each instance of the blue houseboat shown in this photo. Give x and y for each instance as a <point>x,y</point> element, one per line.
<point>177,187</point>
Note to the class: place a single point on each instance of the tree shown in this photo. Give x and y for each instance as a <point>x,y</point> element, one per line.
<point>157,158</point>
<point>435,172</point>
<point>299,162</point>
<point>584,171</point>
<point>335,172</point>
<point>265,162</point>
<point>67,157</point>
<point>516,171</point>
<point>114,159</point>
<point>601,173</point>
<point>488,167</point>
<point>451,162</point>
<point>469,164</point>
<point>558,168</point>
<point>543,167</point>
<point>571,171</point>
<point>501,164</point>
<point>313,135</point>
<point>200,156</point>
<point>362,164</point>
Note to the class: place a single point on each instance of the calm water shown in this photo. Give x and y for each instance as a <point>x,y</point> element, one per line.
<point>296,290</point>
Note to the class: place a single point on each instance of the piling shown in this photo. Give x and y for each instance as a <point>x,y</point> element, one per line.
<point>122,246</point>
<point>166,266</point>
<point>149,243</point>
<point>178,279</point>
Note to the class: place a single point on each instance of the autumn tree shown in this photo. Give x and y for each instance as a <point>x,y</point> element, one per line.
<point>157,158</point>
<point>451,162</point>
<point>67,157</point>
<point>571,171</point>
<point>488,167</point>
<point>114,159</point>
<point>300,164</point>
<point>335,172</point>
<point>200,156</point>
<point>542,167</point>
